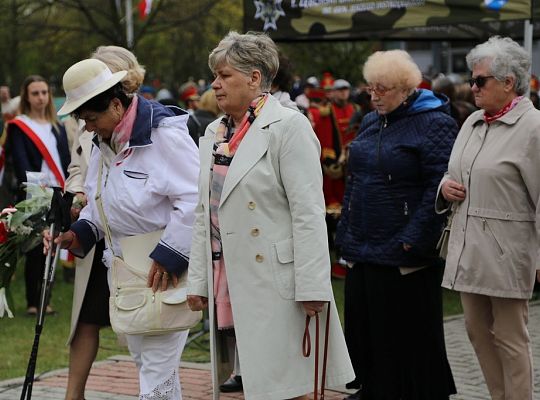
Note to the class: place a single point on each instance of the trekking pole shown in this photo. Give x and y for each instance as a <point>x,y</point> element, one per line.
<point>58,221</point>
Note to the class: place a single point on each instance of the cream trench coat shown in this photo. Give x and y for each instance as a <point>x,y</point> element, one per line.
<point>272,220</point>
<point>494,241</point>
<point>75,183</point>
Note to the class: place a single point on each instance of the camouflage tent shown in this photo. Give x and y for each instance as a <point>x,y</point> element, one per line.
<point>297,20</point>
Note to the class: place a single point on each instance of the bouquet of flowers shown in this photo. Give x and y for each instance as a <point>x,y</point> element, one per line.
<point>20,231</point>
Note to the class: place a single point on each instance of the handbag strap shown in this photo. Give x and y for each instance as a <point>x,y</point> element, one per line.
<point>306,350</point>
<point>450,217</point>
<point>99,203</point>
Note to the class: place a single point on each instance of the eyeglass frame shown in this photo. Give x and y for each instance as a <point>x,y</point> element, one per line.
<point>379,92</point>
<point>480,81</point>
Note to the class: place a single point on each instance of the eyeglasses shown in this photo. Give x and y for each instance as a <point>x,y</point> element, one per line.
<point>378,90</point>
<point>480,81</point>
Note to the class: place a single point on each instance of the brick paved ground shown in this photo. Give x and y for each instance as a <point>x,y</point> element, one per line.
<point>117,378</point>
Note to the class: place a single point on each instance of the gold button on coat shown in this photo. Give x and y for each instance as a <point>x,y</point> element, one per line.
<point>251,205</point>
<point>255,232</point>
<point>259,258</point>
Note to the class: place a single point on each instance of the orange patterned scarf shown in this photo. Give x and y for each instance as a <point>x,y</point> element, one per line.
<point>227,141</point>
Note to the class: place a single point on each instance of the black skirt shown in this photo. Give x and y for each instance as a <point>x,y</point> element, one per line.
<point>95,306</point>
<point>394,333</point>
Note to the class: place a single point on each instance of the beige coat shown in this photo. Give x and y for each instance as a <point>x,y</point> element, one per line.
<point>494,241</point>
<point>75,183</point>
<point>272,220</point>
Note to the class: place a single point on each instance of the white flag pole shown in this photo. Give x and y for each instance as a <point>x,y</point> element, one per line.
<point>528,42</point>
<point>129,24</point>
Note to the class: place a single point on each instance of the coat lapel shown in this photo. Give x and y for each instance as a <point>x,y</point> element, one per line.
<point>206,144</point>
<point>252,148</point>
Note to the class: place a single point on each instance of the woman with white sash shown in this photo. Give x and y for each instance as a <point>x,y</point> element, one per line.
<point>37,143</point>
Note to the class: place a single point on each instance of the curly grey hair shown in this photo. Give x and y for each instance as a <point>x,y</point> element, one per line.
<point>506,58</point>
<point>246,53</point>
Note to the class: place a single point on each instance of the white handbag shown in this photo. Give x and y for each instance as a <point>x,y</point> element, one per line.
<point>133,307</point>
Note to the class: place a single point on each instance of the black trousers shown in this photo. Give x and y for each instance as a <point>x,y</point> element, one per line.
<point>34,268</point>
<point>95,305</point>
<point>394,333</point>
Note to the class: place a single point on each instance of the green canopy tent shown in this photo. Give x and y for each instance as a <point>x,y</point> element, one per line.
<point>408,20</point>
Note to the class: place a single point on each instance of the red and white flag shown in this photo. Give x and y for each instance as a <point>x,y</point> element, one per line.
<point>145,6</point>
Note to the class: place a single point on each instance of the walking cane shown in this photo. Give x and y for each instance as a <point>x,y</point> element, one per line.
<point>59,220</point>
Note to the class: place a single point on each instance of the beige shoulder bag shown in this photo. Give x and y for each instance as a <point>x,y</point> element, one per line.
<point>442,244</point>
<point>133,307</point>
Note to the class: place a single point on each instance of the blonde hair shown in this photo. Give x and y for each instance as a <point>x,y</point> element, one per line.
<point>392,68</point>
<point>120,59</point>
<point>246,53</point>
<point>208,102</point>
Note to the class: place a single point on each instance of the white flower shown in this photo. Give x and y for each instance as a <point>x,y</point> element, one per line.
<point>8,210</point>
<point>4,306</point>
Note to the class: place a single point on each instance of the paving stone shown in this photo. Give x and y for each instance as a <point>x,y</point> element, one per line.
<point>116,378</point>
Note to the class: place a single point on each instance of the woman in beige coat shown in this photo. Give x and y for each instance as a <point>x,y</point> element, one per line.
<point>493,187</point>
<point>259,255</point>
<point>90,309</point>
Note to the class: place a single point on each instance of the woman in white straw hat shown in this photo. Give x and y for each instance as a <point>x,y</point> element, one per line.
<point>145,172</point>
<point>90,309</point>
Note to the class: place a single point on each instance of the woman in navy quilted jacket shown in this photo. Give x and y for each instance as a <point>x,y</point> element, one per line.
<point>388,233</point>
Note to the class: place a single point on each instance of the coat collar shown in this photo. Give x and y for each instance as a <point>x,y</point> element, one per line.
<point>253,146</point>
<point>510,118</point>
<point>149,115</point>
<point>270,113</point>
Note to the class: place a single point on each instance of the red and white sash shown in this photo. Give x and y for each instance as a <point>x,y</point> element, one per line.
<point>42,149</point>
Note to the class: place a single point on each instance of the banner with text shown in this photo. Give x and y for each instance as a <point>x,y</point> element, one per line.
<point>286,20</point>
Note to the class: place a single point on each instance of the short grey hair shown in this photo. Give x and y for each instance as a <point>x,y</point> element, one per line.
<point>506,58</point>
<point>246,53</point>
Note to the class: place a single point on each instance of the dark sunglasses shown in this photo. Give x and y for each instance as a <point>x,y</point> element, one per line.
<point>480,81</point>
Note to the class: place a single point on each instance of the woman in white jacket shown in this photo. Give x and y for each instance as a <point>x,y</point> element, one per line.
<point>90,309</point>
<point>148,183</point>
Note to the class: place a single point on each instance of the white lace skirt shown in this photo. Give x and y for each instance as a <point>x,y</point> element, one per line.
<point>158,359</point>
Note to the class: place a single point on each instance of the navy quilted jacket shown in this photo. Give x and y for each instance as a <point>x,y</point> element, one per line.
<point>395,165</point>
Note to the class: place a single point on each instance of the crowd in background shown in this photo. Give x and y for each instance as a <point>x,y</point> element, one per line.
<point>385,145</point>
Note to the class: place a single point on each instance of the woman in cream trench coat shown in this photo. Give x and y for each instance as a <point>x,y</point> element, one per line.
<point>500,218</point>
<point>273,233</point>
<point>75,184</point>
<point>269,272</point>
<point>493,185</point>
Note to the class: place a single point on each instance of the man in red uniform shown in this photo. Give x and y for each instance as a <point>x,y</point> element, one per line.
<point>334,134</point>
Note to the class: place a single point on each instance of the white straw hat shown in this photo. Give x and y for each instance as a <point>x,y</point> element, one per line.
<point>85,80</point>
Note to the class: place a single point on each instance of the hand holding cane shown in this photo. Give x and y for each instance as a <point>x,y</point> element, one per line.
<point>59,220</point>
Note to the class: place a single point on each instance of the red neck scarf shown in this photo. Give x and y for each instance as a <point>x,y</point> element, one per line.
<point>490,118</point>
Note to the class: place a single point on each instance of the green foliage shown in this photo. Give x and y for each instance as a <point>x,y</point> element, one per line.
<point>343,59</point>
<point>175,56</point>
<point>47,36</point>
